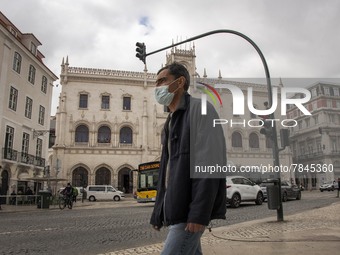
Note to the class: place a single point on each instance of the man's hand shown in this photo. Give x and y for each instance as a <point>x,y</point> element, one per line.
<point>156,227</point>
<point>194,227</point>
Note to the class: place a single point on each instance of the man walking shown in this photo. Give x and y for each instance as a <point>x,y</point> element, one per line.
<point>187,201</point>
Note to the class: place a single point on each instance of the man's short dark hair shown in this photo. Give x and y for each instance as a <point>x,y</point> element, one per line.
<point>178,70</point>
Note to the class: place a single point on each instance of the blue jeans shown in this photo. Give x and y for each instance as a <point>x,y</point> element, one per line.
<point>181,242</point>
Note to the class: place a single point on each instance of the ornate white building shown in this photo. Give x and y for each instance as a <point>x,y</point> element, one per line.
<point>108,122</point>
<point>26,85</point>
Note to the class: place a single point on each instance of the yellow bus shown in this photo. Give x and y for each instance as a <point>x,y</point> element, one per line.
<point>147,182</point>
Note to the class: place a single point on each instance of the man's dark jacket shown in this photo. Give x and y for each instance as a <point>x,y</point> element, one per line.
<point>186,199</point>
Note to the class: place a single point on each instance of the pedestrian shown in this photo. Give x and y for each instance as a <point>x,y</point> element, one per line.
<point>29,194</point>
<point>186,202</point>
<point>13,198</point>
<point>74,194</point>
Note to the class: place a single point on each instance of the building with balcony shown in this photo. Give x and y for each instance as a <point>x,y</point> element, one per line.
<point>26,85</point>
<point>315,141</point>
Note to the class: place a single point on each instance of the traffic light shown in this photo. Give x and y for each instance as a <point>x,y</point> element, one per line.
<point>141,51</point>
<point>284,137</point>
<point>267,129</point>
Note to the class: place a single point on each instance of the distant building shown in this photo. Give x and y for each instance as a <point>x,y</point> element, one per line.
<point>108,122</point>
<point>25,106</point>
<point>315,141</point>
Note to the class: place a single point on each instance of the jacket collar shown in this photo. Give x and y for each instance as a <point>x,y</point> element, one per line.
<point>184,103</point>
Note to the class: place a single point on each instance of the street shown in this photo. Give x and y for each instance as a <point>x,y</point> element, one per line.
<point>90,230</point>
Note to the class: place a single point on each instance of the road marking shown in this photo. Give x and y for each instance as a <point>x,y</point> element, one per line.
<point>27,231</point>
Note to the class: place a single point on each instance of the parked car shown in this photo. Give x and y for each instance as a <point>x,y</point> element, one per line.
<point>288,190</point>
<point>330,186</point>
<point>241,189</point>
<point>263,187</point>
<point>103,192</point>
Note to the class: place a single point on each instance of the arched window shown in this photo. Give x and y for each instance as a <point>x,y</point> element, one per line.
<point>254,141</point>
<point>80,177</point>
<point>103,176</point>
<point>125,135</point>
<point>236,139</point>
<point>104,134</point>
<point>82,134</point>
<point>269,143</point>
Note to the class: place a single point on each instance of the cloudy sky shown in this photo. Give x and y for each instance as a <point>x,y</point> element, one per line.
<point>298,38</point>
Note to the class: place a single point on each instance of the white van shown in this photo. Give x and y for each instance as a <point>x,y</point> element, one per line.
<point>103,192</point>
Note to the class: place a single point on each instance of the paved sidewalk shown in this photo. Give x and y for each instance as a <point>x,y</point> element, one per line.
<point>311,232</point>
<point>126,202</point>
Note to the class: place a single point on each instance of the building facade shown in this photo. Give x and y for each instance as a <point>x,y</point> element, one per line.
<point>26,86</point>
<point>315,141</point>
<point>108,123</point>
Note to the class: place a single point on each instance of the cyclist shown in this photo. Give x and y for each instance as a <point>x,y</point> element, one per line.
<point>68,193</point>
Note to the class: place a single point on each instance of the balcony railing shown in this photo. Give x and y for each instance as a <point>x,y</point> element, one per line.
<point>9,154</point>
<point>22,157</point>
<point>26,158</point>
<point>39,161</point>
<point>309,155</point>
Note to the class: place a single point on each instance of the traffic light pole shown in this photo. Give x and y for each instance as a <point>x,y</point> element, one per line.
<point>269,87</point>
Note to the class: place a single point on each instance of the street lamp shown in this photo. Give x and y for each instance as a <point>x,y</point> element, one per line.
<point>269,87</point>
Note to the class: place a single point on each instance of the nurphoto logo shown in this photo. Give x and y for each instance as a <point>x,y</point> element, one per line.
<point>238,104</point>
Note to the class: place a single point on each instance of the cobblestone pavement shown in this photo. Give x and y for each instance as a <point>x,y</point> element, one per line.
<point>112,227</point>
<point>317,225</point>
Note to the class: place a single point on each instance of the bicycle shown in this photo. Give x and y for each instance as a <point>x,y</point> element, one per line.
<point>65,201</point>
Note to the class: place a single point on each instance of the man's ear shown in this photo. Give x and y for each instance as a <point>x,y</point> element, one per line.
<point>181,81</point>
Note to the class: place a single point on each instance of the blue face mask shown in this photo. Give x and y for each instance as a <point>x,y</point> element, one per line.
<point>163,96</point>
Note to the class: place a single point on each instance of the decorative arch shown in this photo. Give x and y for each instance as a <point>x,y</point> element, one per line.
<point>81,133</point>
<point>125,135</point>
<point>103,123</point>
<point>125,178</point>
<point>254,142</point>
<point>80,176</point>
<point>236,139</point>
<point>127,124</point>
<point>104,134</point>
<point>81,122</point>
<point>103,176</point>
<point>269,143</point>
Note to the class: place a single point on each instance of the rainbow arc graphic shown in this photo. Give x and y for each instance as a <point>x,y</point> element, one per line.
<point>211,92</point>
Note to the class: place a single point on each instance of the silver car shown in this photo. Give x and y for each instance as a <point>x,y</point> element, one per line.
<point>328,186</point>
<point>288,190</point>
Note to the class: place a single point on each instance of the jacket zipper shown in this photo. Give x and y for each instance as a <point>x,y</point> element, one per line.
<point>167,169</point>
<point>164,216</point>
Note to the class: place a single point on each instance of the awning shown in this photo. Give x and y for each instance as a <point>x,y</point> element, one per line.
<point>45,179</point>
